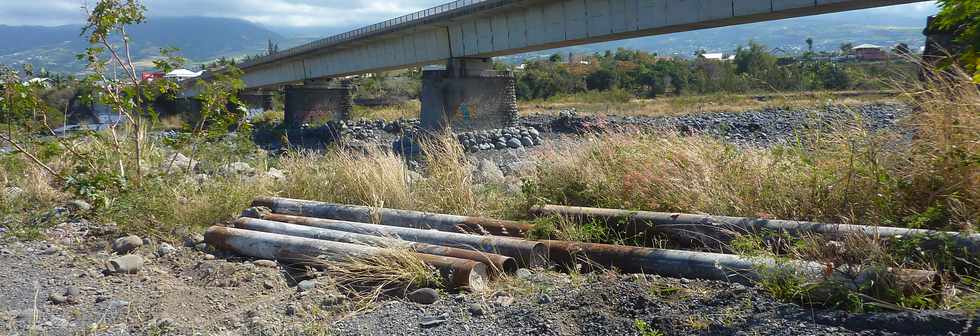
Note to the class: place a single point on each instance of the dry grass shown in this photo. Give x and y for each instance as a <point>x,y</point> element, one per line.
<point>710,103</point>
<point>381,179</point>
<point>377,179</point>
<point>392,272</point>
<point>407,110</point>
<point>850,175</point>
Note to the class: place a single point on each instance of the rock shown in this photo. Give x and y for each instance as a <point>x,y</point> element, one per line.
<point>424,296</point>
<point>269,284</point>
<point>533,132</point>
<point>202,247</point>
<point>291,310</point>
<point>127,264</point>
<point>124,245</point>
<point>486,171</point>
<point>504,300</point>
<point>331,300</point>
<point>434,320</point>
<point>545,299</point>
<point>51,250</point>
<point>265,263</point>
<point>72,292</point>
<point>514,143</point>
<point>165,249</point>
<point>57,299</point>
<point>306,285</point>
<point>475,309</point>
<point>209,257</point>
<point>178,162</point>
<point>193,239</point>
<point>499,145</point>
<point>523,273</point>
<point>527,142</point>
<point>79,205</point>
<point>237,168</point>
<point>276,174</point>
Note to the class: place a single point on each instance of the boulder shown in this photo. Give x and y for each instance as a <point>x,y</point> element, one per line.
<point>124,245</point>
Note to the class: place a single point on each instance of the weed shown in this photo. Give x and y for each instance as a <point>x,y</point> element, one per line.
<point>644,329</point>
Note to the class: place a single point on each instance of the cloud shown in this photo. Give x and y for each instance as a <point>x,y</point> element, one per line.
<point>282,13</point>
<point>272,13</point>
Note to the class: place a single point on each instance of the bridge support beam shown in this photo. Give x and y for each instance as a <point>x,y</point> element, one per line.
<point>468,95</point>
<point>311,103</point>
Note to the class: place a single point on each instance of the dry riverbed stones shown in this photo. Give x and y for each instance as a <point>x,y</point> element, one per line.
<point>503,138</point>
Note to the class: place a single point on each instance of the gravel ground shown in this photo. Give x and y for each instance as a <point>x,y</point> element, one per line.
<point>607,304</point>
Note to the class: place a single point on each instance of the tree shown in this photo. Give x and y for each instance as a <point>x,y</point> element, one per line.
<point>846,48</point>
<point>960,16</point>
<point>272,48</point>
<point>902,49</point>
<point>809,44</point>
<point>555,58</point>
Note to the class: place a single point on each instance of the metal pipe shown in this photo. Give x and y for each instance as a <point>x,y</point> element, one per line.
<point>498,264</point>
<point>459,273</point>
<point>394,217</point>
<point>710,266</point>
<point>526,253</point>
<point>687,227</point>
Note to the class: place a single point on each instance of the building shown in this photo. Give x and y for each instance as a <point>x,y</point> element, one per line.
<point>870,52</point>
<point>718,56</point>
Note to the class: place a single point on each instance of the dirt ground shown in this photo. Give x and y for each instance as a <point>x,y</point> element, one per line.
<point>189,293</point>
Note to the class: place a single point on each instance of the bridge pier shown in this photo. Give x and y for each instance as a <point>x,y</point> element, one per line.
<point>312,103</point>
<point>256,101</point>
<point>468,95</point>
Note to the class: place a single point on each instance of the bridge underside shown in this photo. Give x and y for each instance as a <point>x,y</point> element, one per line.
<point>510,27</point>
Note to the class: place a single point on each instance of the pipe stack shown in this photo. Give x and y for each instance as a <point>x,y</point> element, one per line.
<point>469,251</point>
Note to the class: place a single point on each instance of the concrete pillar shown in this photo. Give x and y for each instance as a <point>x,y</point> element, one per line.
<point>468,95</point>
<point>316,103</point>
<point>257,102</point>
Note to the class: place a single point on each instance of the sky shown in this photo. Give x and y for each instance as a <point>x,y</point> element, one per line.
<point>299,15</point>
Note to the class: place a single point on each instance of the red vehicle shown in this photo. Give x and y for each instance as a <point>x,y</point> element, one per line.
<point>150,76</point>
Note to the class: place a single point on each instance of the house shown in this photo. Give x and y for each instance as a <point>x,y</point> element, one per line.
<point>718,57</point>
<point>183,74</point>
<point>870,52</point>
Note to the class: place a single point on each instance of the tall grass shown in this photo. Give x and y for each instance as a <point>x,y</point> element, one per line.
<point>380,178</point>
<point>926,174</point>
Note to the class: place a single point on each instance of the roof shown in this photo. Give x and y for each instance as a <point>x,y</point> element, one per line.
<point>184,73</point>
<point>867,46</point>
<point>716,56</point>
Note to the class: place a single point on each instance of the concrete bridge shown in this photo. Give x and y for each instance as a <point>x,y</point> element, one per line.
<point>465,34</point>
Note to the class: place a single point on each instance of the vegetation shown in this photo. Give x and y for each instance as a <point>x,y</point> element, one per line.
<point>960,16</point>
<point>754,69</point>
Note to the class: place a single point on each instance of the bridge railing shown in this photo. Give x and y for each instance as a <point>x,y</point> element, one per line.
<point>368,30</point>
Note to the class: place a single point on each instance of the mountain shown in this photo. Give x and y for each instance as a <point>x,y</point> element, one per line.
<point>199,39</point>
<point>828,31</point>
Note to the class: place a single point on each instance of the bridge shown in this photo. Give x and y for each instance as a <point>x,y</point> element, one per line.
<point>465,34</point>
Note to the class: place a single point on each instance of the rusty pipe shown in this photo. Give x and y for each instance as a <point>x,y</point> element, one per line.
<point>498,264</point>
<point>526,253</point>
<point>709,266</point>
<point>394,217</point>
<point>459,273</point>
<point>687,227</point>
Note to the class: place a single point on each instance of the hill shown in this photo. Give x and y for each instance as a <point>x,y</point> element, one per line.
<point>198,38</point>
<point>789,35</point>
